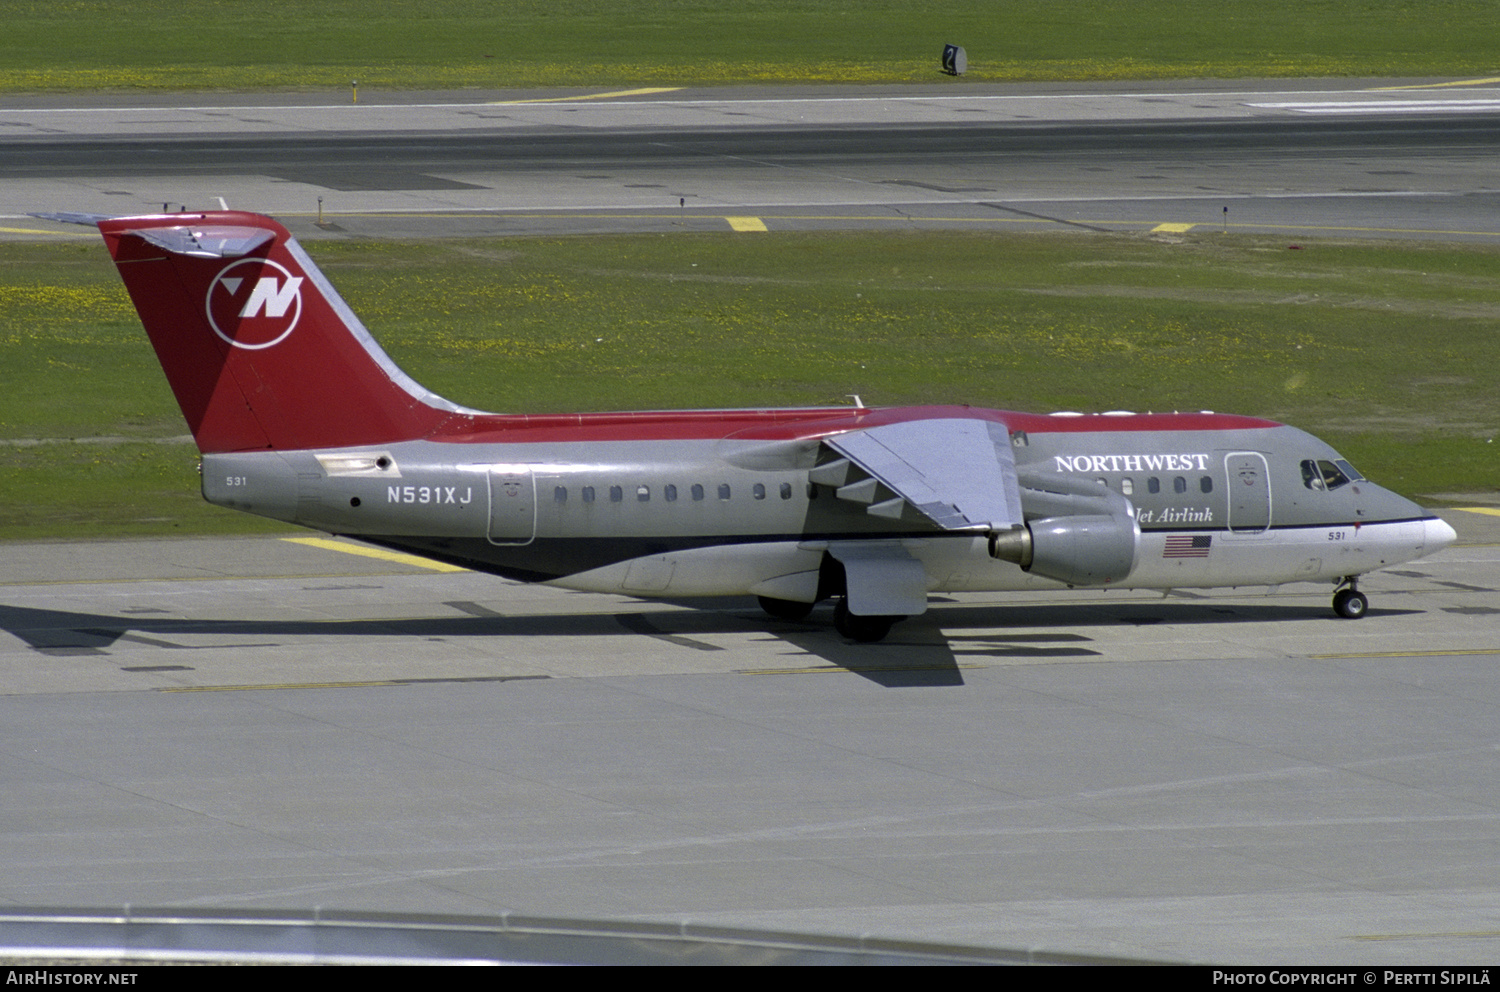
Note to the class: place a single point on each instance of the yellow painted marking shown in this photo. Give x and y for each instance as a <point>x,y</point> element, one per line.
<point>1425,936</point>
<point>1491,510</point>
<point>1406,654</point>
<point>1437,86</point>
<point>1172,228</point>
<point>906,221</point>
<point>836,669</point>
<point>278,685</point>
<point>746,223</point>
<point>27,230</point>
<point>590,96</point>
<point>382,554</point>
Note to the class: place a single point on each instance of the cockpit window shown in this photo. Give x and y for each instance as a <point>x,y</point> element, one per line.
<point>1325,475</point>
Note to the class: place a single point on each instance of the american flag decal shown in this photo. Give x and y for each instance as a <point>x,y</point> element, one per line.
<point>1185,546</point>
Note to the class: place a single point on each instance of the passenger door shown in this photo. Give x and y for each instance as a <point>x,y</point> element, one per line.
<point>1249,496</point>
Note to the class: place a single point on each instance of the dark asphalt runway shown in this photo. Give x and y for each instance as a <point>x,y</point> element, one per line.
<point>1255,161</point>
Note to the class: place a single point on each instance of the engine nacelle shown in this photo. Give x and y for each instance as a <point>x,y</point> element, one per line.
<point>1083,550</point>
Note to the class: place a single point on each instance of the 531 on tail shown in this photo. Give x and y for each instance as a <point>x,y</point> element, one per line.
<point>300,416</point>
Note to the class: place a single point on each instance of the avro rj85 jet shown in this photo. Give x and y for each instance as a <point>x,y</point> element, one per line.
<point>301,417</point>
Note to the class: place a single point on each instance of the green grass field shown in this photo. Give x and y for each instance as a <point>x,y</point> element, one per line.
<point>97,45</point>
<point>1386,350</point>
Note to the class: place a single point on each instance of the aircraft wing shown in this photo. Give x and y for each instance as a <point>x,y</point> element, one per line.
<point>959,474</point>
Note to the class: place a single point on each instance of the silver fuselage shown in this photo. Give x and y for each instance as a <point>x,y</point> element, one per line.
<point>738,515</point>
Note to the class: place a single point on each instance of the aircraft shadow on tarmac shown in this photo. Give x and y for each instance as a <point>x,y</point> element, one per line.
<point>930,650</point>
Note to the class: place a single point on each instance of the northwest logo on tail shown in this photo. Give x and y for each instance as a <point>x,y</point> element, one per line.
<point>254,303</point>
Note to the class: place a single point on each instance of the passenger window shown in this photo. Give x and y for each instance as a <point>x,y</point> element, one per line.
<point>1179,485</point>
<point>1206,484</point>
<point>643,494</point>
<point>587,494</point>
<point>560,494</point>
<point>1153,485</point>
<point>697,491</point>
<point>786,490</point>
<point>723,490</point>
<point>758,490</point>
<point>616,494</point>
<point>669,493</point>
<point>1127,486</point>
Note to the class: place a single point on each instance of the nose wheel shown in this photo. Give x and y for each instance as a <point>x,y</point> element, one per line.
<point>1349,602</point>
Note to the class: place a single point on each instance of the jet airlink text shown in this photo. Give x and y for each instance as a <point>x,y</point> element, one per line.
<point>1176,515</point>
<point>1131,463</point>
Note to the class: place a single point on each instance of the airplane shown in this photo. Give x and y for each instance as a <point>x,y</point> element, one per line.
<point>300,416</point>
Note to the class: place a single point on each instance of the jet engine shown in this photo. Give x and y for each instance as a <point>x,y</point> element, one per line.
<point>1077,531</point>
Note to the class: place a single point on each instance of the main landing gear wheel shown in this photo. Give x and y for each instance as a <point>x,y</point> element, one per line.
<point>1350,603</point>
<point>785,609</point>
<point>857,628</point>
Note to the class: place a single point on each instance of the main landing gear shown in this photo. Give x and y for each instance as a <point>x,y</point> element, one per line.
<point>856,628</point>
<point>1348,601</point>
<point>785,609</point>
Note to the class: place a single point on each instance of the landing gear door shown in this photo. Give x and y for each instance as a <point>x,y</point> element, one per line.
<point>512,504</point>
<point>1249,484</point>
<point>881,578</point>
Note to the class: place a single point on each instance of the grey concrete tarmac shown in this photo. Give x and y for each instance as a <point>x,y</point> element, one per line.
<point>1223,777</point>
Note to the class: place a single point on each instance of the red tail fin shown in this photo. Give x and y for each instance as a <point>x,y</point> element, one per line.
<point>258,347</point>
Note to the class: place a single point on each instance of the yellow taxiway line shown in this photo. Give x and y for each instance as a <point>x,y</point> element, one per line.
<point>647,91</point>
<point>1406,654</point>
<point>1437,86</point>
<point>277,685</point>
<point>61,234</point>
<point>383,555</point>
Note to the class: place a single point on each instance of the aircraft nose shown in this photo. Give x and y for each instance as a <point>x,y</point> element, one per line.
<point>1436,535</point>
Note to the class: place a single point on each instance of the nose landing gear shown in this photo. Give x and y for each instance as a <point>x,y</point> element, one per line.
<point>1348,601</point>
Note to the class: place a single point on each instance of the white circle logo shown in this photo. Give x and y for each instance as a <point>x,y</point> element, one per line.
<point>254,303</point>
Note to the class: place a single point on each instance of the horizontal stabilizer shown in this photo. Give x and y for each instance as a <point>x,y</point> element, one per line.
<point>68,217</point>
<point>201,241</point>
<point>206,242</point>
